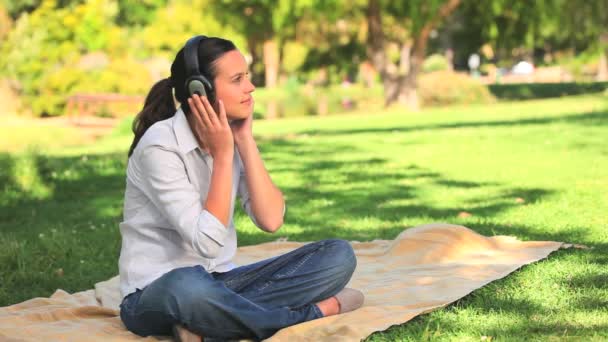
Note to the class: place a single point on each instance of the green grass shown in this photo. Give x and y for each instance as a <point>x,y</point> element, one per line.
<point>19,134</point>
<point>364,177</point>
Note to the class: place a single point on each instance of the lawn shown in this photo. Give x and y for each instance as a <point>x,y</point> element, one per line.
<point>537,170</point>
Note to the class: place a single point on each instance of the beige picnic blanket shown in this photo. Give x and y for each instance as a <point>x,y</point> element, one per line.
<point>424,268</point>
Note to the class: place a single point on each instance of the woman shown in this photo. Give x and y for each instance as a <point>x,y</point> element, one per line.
<point>185,168</point>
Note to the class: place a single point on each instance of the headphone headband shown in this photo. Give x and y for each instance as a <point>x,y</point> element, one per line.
<point>191,55</point>
<point>196,83</point>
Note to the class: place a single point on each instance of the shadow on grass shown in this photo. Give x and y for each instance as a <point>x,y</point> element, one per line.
<point>338,187</point>
<point>58,223</point>
<point>60,189</point>
<point>525,330</point>
<point>595,118</point>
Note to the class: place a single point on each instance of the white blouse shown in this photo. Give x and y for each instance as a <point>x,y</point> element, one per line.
<point>165,225</point>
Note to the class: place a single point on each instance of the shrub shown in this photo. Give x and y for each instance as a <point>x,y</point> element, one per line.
<point>44,45</point>
<point>583,66</point>
<point>446,87</point>
<point>435,62</point>
<point>305,100</point>
<point>123,76</point>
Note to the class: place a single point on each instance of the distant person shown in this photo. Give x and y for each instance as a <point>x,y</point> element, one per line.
<point>474,61</point>
<point>186,166</point>
<point>346,101</point>
<point>523,68</point>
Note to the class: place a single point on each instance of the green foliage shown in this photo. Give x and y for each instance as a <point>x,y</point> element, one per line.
<point>138,12</point>
<point>177,22</point>
<point>123,76</point>
<point>506,24</point>
<point>294,55</point>
<point>42,50</point>
<point>306,100</point>
<point>525,91</point>
<point>414,14</point>
<point>264,18</point>
<point>16,7</point>
<point>55,87</point>
<point>516,28</point>
<point>583,66</point>
<point>445,87</point>
<point>582,23</point>
<point>488,68</point>
<point>435,62</point>
<point>437,88</point>
<point>94,17</point>
<point>49,40</point>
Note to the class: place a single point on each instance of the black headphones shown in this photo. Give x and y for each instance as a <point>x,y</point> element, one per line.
<point>196,83</point>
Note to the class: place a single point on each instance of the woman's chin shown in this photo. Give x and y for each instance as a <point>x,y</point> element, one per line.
<point>238,116</point>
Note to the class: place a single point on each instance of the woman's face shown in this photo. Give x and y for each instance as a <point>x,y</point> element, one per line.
<point>232,85</point>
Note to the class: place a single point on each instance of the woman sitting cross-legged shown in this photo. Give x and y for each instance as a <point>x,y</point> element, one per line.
<point>186,166</point>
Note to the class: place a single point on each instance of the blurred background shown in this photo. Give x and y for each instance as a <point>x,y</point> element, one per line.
<point>94,59</point>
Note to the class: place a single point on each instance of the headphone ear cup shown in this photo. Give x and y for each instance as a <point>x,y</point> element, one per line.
<point>196,86</point>
<point>209,89</point>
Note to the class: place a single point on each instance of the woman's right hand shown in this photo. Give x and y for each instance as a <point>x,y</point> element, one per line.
<point>211,130</point>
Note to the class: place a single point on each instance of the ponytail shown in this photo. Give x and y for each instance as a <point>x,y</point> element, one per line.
<point>159,105</point>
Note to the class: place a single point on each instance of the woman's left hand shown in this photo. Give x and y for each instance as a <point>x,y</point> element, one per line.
<point>242,129</point>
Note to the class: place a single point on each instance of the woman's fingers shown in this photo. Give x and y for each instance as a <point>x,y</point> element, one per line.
<point>209,109</point>
<point>222,115</point>
<point>197,108</point>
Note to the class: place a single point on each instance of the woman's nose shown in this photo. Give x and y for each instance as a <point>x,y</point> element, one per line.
<point>249,87</point>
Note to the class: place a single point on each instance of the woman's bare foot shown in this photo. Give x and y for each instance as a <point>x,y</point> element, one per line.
<point>329,306</point>
<point>182,334</point>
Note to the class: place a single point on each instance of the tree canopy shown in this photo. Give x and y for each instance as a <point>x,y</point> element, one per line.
<point>48,45</point>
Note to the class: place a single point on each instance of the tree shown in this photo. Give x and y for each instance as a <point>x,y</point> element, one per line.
<point>419,18</point>
<point>268,24</point>
<point>588,21</point>
<point>178,21</point>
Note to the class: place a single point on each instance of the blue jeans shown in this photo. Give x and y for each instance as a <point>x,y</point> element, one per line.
<point>252,301</point>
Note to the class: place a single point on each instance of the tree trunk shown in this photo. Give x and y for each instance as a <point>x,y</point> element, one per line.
<point>375,38</point>
<point>408,95</point>
<point>253,44</point>
<point>602,72</point>
<point>399,87</point>
<point>6,24</point>
<point>271,69</point>
<point>404,60</point>
<point>272,109</point>
<point>271,62</point>
<point>408,85</point>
